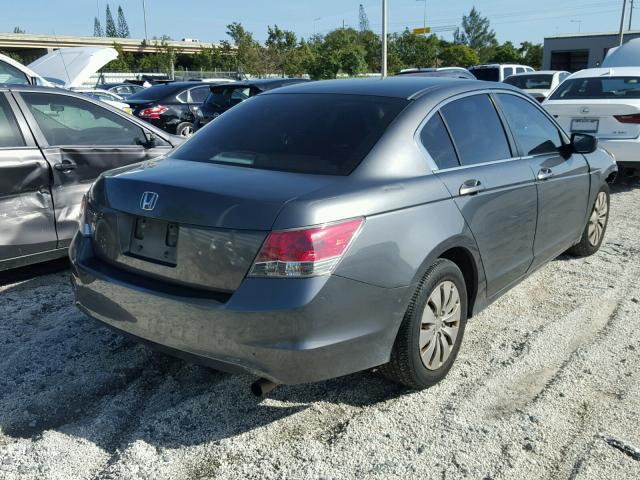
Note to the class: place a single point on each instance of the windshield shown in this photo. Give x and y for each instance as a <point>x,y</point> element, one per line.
<point>530,82</point>
<point>491,74</point>
<point>309,133</point>
<point>598,87</point>
<point>157,92</point>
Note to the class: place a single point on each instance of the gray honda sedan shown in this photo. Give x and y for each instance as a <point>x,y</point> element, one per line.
<point>330,227</point>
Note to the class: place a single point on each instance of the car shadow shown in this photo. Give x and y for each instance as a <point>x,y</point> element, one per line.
<point>60,370</point>
<point>624,184</point>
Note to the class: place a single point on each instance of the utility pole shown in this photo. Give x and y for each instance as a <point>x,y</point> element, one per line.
<point>424,17</point>
<point>624,8</point>
<point>630,13</point>
<point>384,39</point>
<point>144,12</point>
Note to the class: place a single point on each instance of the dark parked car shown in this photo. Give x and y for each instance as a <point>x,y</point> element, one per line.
<point>222,97</point>
<point>171,106</point>
<point>449,72</point>
<point>53,145</point>
<point>125,90</point>
<point>330,227</point>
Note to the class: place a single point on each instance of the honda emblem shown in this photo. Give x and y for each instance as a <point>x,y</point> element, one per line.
<point>148,200</point>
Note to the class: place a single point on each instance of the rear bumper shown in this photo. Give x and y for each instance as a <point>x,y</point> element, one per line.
<point>287,330</point>
<point>626,152</point>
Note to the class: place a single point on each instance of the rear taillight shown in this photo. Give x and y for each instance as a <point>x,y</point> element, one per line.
<point>84,217</point>
<point>306,252</point>
<point>632,118</point>
<point>152,112</point>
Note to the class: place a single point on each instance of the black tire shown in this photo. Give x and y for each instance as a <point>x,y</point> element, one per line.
<point>182,127</point>
<point>586,247</point>
<point>406,365</point>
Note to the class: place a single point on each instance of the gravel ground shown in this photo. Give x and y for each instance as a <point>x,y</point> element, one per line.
<point>546,386</point>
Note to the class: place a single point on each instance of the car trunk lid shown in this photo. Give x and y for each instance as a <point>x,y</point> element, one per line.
<point>191,223</point>
<point>607,119</point>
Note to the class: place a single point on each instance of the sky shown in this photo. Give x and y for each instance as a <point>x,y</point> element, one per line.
<point>206,20</point>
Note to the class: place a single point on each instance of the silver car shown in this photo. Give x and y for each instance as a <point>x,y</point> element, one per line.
<point>329,227</point>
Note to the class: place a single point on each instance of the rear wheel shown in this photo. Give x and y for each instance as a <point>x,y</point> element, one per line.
<point>185,129</point>
<point>596,227</point>
<point>431,332</point>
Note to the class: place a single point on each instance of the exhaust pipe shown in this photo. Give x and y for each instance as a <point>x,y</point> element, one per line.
<point>262,386</point>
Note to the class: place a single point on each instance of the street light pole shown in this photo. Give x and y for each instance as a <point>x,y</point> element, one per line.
<point>384,39</point>
<point>144,13</point>
<point>624,8</point>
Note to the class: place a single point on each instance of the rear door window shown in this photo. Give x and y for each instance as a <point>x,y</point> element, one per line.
<point>507,72</point>
<point>10,135</point>
<point>436,141</point>
<point>309,133</point>
<point>198,95</point>
<point>67,120</point>
<point>476,130</point>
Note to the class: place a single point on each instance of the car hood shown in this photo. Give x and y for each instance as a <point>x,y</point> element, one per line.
<point>206,194</point>
<point>73,65</point>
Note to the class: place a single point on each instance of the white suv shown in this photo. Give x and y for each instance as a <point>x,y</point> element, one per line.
<point>497,72</point>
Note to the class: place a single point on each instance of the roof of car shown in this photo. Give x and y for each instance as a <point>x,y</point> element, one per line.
<point>265,83</point>
<point>538,72</point>
<point>608,72</point>
<point>116,84</point>
<point>402,86</point>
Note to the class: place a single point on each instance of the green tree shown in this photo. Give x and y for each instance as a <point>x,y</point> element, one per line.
<point>110,26</point>
<point>506,53</point>
<point>124,63</point>
<point>476,33</point>
<point>456,55</point>
<point>280,45</point>
<point>372,45</point>
<point>411,51</point>
<point>97,28</point>
<point>531,54</point>
<point>338,52</point>
<point>123,27</point>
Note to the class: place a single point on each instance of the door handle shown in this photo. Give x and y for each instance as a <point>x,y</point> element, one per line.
<point>545,174</point>
<point>65,166</point>
<point>470,187</point>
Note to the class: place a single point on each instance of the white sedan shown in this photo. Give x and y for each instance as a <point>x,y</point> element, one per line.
<point>538,84</point>
<point>105,96</point>
<point>604,102</point>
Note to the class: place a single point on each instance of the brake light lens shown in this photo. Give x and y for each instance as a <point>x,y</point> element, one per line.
<point>632,118</point>
<point>152,112</point>
<point>306,252</point>
<point>84,219</point>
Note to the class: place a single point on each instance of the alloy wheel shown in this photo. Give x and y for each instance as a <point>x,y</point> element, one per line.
<point>440,324</point>
<point>598,219</point>
<point>186,131</point>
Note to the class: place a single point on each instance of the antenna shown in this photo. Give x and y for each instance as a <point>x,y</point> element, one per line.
<point>61,56</point>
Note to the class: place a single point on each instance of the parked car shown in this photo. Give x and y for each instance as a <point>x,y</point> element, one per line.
<point>604,102</point>
<point>13,72</point>
<point>222,97</point>
<point>452,72</point>
<point>538,84</point>
<point>170,106</point>
<point>124,90</point>
<point>497,72</point>
<point>53,144</point>
<point>330,227</point>
<point>107,97</point>
<point>626,55</point>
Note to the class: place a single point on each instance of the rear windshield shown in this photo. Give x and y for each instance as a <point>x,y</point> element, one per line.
<point>598,87</point>
<point>157,92</point>
<point>309,133</point>
<point>530,82</point>
<point>491,74</point>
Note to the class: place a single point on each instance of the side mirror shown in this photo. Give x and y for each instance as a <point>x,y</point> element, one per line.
<point>150,140</point>
<point>583,143</point>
